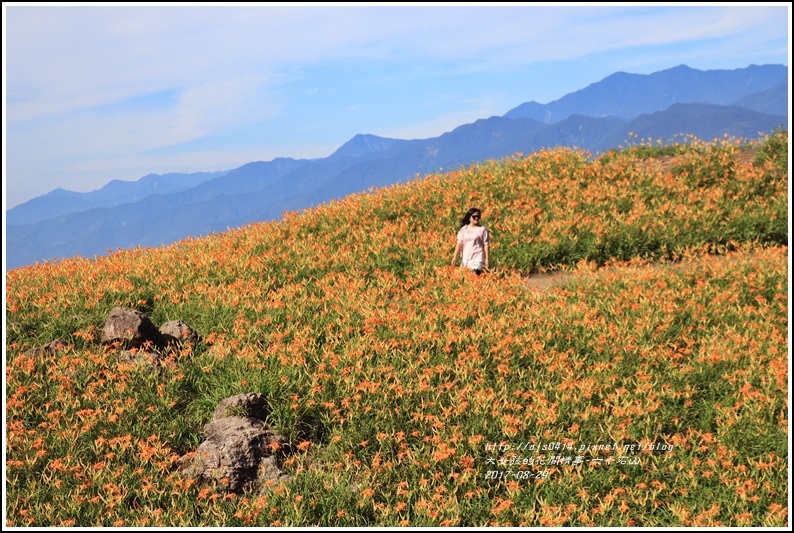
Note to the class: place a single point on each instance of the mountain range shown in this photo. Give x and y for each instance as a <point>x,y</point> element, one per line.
<point>161,209</point>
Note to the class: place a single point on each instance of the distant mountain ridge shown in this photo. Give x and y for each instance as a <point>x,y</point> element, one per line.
<point>773,101</point>
<point>60,201</point>
<point>159,210</point>
<point>626,96</point>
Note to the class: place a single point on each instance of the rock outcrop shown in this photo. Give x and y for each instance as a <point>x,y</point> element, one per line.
<point>129,328</point>
<point>240,451</point>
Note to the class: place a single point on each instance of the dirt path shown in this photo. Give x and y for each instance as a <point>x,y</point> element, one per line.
<point>543,282</point>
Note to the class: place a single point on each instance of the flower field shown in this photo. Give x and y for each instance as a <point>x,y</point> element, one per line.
<point>417,394</point>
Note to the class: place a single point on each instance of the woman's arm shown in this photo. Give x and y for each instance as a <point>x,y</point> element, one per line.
<point>455,255</point>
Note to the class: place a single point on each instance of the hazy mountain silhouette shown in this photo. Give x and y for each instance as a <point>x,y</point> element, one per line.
<point>627,96</point>
<point>61,202</point>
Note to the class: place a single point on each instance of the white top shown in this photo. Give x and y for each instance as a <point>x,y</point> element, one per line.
<point>473,240</point>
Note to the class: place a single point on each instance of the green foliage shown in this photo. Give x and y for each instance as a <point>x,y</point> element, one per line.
<point>394,377</point>
<point>774,149</point>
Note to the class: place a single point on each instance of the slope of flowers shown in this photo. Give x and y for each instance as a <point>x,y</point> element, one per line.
<point>417,394</point>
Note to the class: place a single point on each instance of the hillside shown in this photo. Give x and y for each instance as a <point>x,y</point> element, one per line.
<point>412,393</point>
<point>671,106</point>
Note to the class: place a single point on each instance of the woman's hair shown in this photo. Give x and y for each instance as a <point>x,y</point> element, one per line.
<point>467,217</point>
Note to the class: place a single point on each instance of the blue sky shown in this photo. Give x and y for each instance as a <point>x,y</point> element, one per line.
<point>94,93</point>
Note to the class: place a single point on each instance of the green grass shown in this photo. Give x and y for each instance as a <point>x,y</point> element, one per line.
<point>391,374</point>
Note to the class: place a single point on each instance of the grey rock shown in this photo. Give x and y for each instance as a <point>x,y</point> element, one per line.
<point>251,404</point>
<point>150,361</point>
<point>232,454</point>
<point>178,332</point>
<point>58,345</point>
<point>131,328</point>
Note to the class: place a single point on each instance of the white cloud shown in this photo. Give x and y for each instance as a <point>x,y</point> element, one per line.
<point>110,88</point>
<point>196,112</point>
<point>442,124</point>
<point>64,58</point>
<point>219,105</point>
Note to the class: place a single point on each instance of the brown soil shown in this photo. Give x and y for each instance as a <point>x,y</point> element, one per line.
<point>545,281</point>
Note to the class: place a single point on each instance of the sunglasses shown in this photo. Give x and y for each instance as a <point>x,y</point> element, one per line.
<point>475,216</point>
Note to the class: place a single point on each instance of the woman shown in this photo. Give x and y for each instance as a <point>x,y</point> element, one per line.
<point>473,243</point>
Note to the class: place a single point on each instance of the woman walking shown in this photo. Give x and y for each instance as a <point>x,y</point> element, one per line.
<point>473,242</point>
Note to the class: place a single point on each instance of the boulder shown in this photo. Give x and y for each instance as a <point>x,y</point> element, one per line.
<point>240,451</point>
<point>58,345</point>
<point>177,332</point>
<point>150,361</point>
<point>251,404</point>
<point>130,328</point>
